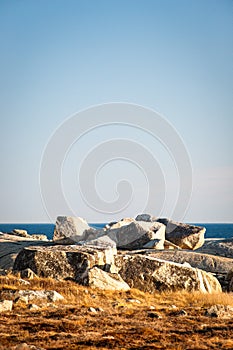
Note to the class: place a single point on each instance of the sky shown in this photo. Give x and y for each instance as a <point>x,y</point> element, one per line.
<point>62,57</point>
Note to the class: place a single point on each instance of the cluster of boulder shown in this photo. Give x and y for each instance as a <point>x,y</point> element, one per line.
<point>146,253</point>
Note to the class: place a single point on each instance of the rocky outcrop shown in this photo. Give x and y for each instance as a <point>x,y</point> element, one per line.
<point>150,274</point>
<point>183,235</point>
<point>63,262</point>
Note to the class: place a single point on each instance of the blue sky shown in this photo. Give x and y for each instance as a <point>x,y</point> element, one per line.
<point>60,57</point>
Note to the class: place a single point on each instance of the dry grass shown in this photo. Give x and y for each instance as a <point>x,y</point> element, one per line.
<point>122,324</point>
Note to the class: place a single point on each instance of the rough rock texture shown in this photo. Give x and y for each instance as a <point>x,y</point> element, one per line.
<point>150,274</point>
<point>10,245</point>
<point>63,261</point>
<point>223,247</point>
<point>183,235</point>
<point>48,295</point>
<point>170,245</point>
<point>222,311</point>
<point>100,279</point>
<point>135,234</point>
<point>145,217</point>
<point>71,227</point>
<point>155,244</point>
<point>6,305</point>
<point>209,263</point>
<point>20,233</point>
<point>121,223</point>
<point>101,242</point>
<point>28,273</point>
<point>229,279</point>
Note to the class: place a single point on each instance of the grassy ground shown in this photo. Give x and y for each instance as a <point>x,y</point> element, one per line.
<point>146,322</point>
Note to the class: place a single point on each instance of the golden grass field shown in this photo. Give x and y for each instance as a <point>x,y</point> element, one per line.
<point>121,323</point>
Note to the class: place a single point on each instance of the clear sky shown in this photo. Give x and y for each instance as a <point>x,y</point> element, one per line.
<point>62,56</point>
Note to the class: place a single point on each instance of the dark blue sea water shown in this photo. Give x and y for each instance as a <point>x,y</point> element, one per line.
<point>212,230</point>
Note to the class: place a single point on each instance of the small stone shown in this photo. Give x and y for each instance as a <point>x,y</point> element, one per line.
<point>92,309</point>
<point>99,309</point>
<point>6,305</point>
<point>33,307</point>
<point>130,300</point>
<point>151,307</point>
<point>21,299</point>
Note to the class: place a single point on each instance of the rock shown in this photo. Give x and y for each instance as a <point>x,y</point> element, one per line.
<point>223,311</point>
<point>121,223</point>
<point>135,235</point>
<point>155,244</point>
<point>221,247</point>
<point>206,262</point>
<point>183,235</point>
<point>100,242</point>
<point>130,300</point>
<point>170,245</point>
<point>71,227</point>
<point>20,233</point>
<point>145,217</point>
<point>65,262</point>
<point>28,273</point>
<point>21,299</point>
<point>6,305</point>
<point>149,274</point>
<point>100,279</point>
<point>49,295</point>
<point>39,237</point>
<point>10,245</point>
<point>33,307</point>
<point>92,309</point>
<point>229,279</point>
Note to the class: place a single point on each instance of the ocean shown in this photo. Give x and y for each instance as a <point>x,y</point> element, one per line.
<point>212,230</point>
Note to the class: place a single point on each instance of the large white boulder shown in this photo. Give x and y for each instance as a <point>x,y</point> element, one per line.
<point>183,235</point>
<point>135,234</point>
<point>150,274</point>
<point>63,261</point>
<point>70,227</point>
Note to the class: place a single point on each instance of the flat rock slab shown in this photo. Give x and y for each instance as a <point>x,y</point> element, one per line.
<point>150,274</point>
<point>206,262</point>
<point>10,246</point>
<point>64,262</point>
<point>222,247</point>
